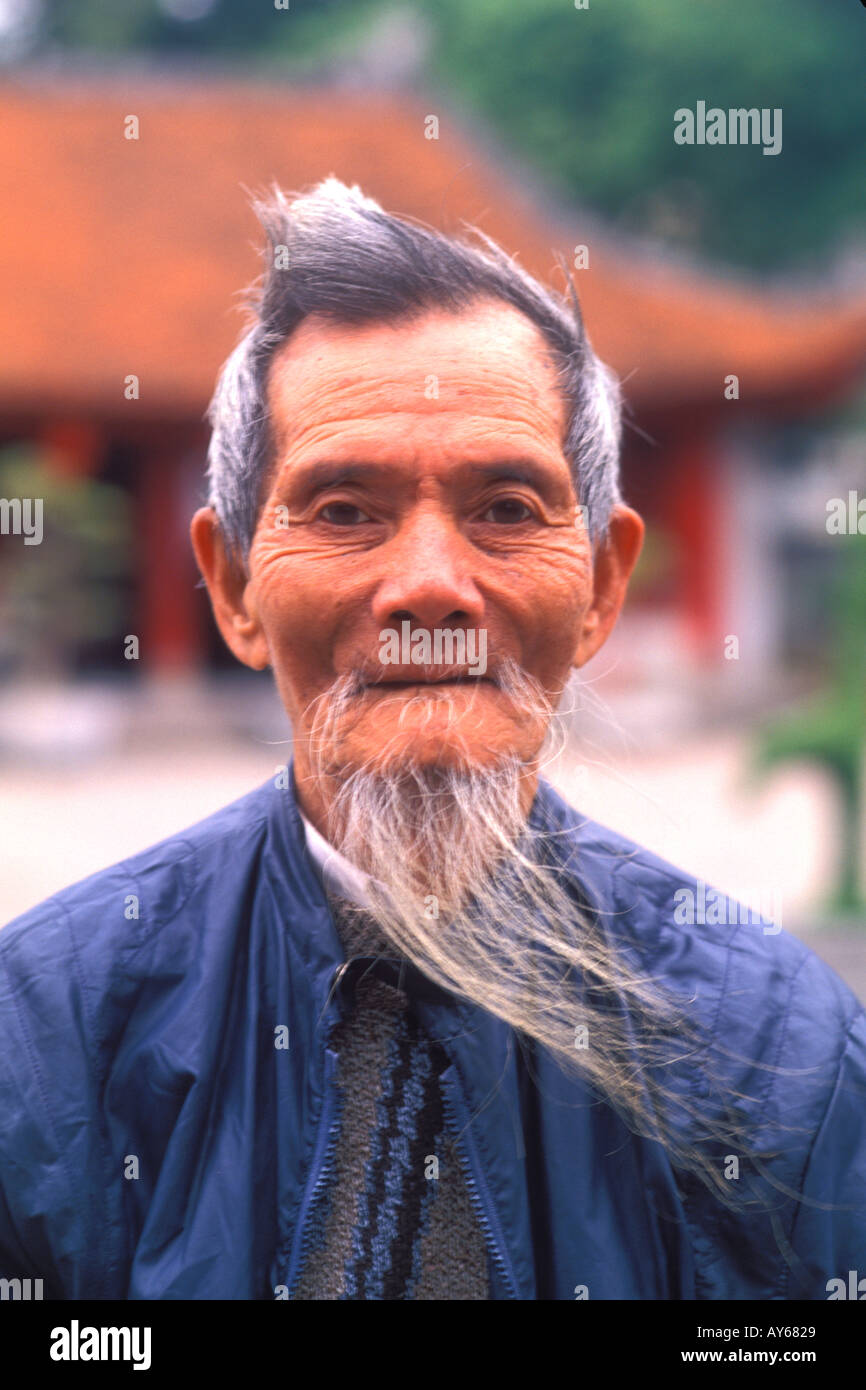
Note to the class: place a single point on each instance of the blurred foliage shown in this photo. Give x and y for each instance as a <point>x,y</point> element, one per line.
<point>66,592</point>
<point>588,97</point>
<point>230,28</point>
<point>832,732</point>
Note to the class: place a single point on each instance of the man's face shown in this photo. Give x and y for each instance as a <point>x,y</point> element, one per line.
<point>419,476</point>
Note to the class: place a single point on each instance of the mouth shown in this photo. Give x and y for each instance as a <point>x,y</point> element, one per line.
<point>421,683</point>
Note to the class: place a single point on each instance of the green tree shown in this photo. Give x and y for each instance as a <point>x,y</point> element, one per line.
<point>588,98</point>
<point>832,732</point>
<point>68,590</point>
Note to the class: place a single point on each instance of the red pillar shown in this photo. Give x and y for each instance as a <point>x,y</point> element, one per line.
<point>71,448</point>
<point>169,610</point>
<point>695,515</point>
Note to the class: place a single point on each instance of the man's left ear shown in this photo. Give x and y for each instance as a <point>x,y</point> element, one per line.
<point>616,557</point>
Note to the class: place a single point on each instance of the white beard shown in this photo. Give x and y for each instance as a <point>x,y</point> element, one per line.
<point>467,892</point>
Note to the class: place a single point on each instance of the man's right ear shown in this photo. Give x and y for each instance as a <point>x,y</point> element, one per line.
<point>231,593</point>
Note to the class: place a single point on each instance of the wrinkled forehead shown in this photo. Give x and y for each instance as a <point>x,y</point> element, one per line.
<point>485,370</point>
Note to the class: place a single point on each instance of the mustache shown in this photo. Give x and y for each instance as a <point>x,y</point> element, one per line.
<point>329,714</point>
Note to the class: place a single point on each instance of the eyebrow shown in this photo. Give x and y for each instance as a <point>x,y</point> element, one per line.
<point>325,473</point>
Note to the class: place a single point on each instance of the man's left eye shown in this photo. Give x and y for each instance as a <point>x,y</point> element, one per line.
<point>343,514</point>
<point>508,511</point>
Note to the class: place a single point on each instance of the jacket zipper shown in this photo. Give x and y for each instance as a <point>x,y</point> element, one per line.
<point>323,1162</point>
<point>479,1193</point>
<point>320,1170</point>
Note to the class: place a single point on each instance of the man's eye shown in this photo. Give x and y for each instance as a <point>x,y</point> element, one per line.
<point>343,514</point>
<point>508,511</point>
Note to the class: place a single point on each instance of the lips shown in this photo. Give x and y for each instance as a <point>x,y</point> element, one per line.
<point>402,678</point>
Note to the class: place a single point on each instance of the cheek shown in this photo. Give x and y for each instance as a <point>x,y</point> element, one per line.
<point>288,571</point>
<point>309,603</point>
<point>552,589</point>
<point>296,613</point>
<point>290,560</point>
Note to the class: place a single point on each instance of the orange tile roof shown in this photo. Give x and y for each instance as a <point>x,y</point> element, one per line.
<point>127,256</point>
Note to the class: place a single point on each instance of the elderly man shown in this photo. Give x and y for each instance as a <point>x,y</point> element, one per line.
<point>402,1024</point>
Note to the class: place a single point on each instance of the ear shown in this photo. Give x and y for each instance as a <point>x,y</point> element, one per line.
<point>615,559</point>
<point>230,593</point>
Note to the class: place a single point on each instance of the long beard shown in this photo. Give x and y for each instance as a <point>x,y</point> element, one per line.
<point>471,892</point>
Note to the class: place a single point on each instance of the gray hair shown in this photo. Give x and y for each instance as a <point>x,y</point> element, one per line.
<point>337,253</point>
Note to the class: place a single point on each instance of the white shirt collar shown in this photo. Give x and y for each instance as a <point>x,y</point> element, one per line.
<point>338,874</point>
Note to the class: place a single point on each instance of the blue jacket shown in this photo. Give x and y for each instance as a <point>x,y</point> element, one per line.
<point>157,1143</point>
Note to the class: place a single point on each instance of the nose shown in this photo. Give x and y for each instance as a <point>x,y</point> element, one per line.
<point>429,578</point>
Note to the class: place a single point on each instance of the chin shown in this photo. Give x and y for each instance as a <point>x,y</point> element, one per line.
<point>430,743</point>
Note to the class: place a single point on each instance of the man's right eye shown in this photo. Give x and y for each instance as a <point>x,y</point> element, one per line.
<point>342,514</point>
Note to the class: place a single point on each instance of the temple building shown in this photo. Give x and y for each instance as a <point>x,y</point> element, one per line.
<point>126,245</point>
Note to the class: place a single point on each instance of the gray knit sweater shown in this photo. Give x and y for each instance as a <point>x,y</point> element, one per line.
<point>395,1219</point>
